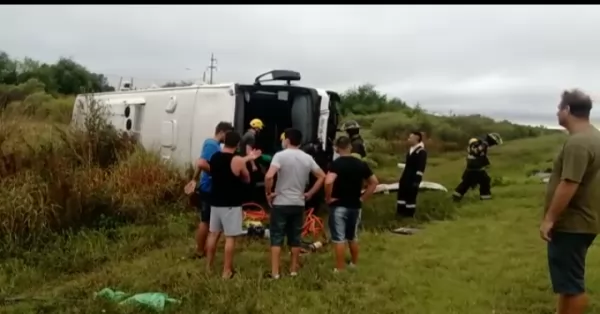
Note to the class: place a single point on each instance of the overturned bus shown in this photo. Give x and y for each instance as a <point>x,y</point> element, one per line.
<point>176,121</point>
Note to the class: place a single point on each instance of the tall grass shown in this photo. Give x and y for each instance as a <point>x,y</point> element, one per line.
<point>55,178</point>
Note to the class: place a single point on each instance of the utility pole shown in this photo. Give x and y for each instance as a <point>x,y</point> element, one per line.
<point>212,67</point>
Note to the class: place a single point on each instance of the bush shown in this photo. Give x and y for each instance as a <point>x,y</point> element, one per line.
<point>63,179</point>
<point>29,99</point>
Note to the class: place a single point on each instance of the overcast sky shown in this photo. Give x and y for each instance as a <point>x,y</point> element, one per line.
<point>505,61</point>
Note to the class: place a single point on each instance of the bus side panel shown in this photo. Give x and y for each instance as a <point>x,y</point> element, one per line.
<point>172,129</point>
<point>212,106</point>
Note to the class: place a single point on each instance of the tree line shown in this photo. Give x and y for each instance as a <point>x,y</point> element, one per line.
<point>65,77</point>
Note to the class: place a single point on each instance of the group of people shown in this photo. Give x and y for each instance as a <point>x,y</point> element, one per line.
<point>571,219</point>
<point>222,176</point>
<point>570,223</point>
<point>474,175</point>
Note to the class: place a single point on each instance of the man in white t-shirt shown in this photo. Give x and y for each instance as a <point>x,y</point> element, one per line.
<point>293,168</point>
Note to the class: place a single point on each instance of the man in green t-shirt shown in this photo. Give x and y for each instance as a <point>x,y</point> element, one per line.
<point>572,215</point>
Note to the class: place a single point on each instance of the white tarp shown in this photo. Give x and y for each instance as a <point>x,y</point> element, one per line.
<point>425,185</point>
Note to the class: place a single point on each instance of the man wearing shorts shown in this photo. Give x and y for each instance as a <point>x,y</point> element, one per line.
<point>572,216</point>
<point>293,168</point>
<point>343,186</point>
<point>203,186</point>
<point>228,173</point>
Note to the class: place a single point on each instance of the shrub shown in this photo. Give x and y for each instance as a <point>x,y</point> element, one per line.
<point>73,178</point>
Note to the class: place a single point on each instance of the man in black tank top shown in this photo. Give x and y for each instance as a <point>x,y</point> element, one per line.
<point>229,178</point>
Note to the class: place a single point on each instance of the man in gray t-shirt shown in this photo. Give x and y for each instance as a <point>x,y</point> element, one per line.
<point>293,168</point>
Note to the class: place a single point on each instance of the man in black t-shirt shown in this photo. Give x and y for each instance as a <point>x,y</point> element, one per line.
<point>343,186</point>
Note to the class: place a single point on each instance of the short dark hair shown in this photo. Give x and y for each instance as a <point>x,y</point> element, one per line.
<point>232,139</point>
<point>343,142</point>
<point>294,136</point>
<point>223,127</point>
<point>418,134</point>
<point>578,102</point>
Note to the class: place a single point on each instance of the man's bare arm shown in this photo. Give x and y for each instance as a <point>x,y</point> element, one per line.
<point>248,149</point>
<point>574,167</point>
<point>372,183</point>
<point>270,178</point>
<point>244,174</point>
<point>318,172</point>
<point>329,180</point>
<point>562,196</point>
<point>201,165</point>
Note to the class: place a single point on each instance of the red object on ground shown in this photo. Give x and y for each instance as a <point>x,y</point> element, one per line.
<point>313,225</point>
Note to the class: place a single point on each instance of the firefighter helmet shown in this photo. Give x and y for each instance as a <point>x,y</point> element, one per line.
<point>350,125</point>
<point>494,139</point>
<point>256,124</point>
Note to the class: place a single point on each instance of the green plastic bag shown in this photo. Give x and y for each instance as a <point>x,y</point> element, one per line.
<point>154,300</point>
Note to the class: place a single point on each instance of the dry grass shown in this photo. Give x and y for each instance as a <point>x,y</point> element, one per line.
<point>54,178</point>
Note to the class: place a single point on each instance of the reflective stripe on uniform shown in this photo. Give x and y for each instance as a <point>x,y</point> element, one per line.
<point>420,173</point>
<point>485,197</point>
<point>457,194</point>
<point>411,206</point>
<point>401,202</point>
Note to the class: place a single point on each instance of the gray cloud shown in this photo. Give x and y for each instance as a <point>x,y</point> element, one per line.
<point>508,61</point>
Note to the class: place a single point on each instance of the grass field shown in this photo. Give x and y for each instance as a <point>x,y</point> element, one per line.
<point>486,257</point>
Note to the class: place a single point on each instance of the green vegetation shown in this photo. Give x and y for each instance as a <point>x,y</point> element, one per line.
<point>81,211</point>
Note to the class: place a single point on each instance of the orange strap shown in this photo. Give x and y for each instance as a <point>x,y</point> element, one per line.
<point>313,225</point>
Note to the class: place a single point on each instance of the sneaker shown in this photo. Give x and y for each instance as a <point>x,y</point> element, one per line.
<point>351,265</point>
<point>293,274</point>
<point>271,276</point>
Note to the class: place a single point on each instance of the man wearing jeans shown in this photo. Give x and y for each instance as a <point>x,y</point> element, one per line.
<point>343,187</point>
<point>572,217</point>
<point>293,168</point>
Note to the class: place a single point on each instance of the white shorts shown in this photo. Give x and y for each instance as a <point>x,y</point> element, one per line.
<point>227,220</point>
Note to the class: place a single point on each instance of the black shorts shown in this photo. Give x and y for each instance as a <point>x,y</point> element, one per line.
<point>203,206</point>
<point>566,261</point>
<point>286,221</point>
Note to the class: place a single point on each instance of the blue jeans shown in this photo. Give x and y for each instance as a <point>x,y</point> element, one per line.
<point>343,224</point>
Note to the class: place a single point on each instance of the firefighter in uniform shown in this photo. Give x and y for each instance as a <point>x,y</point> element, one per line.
<point>408,186</point>
<point>475,173</point>
<point>352,128</point>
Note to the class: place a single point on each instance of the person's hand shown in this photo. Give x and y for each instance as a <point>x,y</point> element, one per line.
<point>270,197</point>
<point>253,154</point>
<point>307,196</point>
<point>190,187</point>
<point>545,229</point>
<point>330,200</point>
